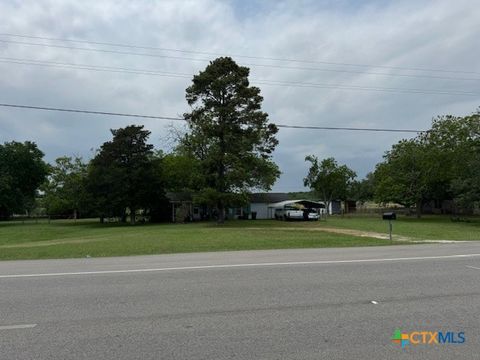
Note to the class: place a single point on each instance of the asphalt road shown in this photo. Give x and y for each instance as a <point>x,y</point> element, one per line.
<point>292,304</point>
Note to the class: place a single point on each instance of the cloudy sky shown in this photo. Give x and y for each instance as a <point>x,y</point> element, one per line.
<point>429,45</point>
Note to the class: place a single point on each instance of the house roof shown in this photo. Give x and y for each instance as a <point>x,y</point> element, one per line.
<point>268,197</point>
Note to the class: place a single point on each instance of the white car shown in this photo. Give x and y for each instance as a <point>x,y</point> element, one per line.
<point>313,215</point>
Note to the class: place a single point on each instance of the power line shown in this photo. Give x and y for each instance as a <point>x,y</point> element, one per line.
<point>238,55</point>
<point>102,68</point>
<point>257,81</point>
<point>91,112</point>
<point>416,76</point>
<point>348,128</point>
<point>366,88</point>
<point>103,50</point>
<point>17,60</point>
<point>246,64</point>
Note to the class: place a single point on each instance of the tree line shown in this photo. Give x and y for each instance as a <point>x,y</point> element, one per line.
<point>440,164</point>
<point>226,152</point>
<point>224,155</point>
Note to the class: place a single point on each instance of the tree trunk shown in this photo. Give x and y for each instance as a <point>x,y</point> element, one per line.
<point>132,215</point>
<point>326,203</point>
<point>221,213</point>
<point>220,185</point>
<point>419,208</point>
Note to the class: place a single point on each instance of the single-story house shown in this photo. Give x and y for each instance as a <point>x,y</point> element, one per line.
<point>262,204</point>
<point>258,204</point>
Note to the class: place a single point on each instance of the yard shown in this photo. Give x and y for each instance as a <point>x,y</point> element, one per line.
<point>66,238</point>
<point>432,227</point>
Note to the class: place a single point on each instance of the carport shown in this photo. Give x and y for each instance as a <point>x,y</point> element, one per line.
<point>301,204</point>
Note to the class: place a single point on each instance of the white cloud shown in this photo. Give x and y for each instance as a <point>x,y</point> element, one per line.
<point>429,34</point>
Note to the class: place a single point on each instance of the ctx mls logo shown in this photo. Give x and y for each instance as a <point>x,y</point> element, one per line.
<point>427,338</point>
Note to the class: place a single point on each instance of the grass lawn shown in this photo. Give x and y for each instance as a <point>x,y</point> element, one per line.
<point>425,228</point>
<point>65,239</point>
<point>429,227</point>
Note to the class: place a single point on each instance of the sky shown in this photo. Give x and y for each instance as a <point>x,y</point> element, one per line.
<point>364,57</point>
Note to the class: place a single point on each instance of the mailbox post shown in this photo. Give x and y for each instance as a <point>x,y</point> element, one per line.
<point>390,216</point>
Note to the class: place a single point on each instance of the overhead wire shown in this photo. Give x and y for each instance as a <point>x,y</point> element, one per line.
<point>245,64</point>
<point>110,113</point>
<point>426,69</point>
<point>268,82</point>
<point>63,65</point>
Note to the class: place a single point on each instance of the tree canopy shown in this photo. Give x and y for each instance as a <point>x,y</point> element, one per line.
<point>229,134</point>
<point>328,179</point>
<point>181,172</point>
<point>22,170</point>
<point>455,148</point>
<point>402,177</point>
<point>125,174</point>
<point>363,190</point>
<point>440,164</point>
<point>65,189</point>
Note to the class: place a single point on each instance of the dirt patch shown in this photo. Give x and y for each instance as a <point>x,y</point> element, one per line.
<point>352,232</point>
<point>53,242</point>
<point>359,233</point>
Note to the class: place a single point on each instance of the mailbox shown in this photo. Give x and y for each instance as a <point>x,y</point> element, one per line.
<point>389,216</point>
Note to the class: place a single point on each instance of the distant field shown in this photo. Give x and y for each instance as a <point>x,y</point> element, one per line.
<point>66,238</point>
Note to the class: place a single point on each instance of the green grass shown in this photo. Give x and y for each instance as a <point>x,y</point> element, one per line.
<point>428,227</point>
<point>65,239</point>
<point>425,228</point>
